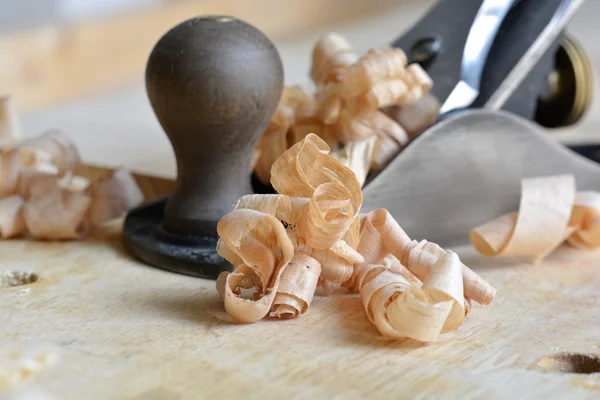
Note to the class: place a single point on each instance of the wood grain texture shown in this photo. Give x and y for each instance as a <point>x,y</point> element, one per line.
<point>122,330</point>
<point>56,63</point>
<point>466,171</point>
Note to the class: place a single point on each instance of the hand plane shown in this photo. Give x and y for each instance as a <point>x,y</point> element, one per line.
<point>503,71</point>
<point>492,64</point>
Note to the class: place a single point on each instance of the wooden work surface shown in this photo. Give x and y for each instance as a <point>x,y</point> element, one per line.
<point>119,329</point>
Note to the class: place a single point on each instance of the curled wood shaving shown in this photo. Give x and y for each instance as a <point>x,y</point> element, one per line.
<point>381,235</point>
<point>53,147</point>
<point>358,157</point>
<point>10,165</point>
<point>550,212</point>
<point>57,214</point>
<point>285,246</point>
<point>347,106</point>
<point>415,118</point>
<point>306,165</point>
<point>401,310</point>
<point>41,196</point>
<point>259,245</point>
<point>374,67</point>
<point>12,222</point>
<point>112,195</point>
<point>10,127</point>
<point>273,142</point>
<point>585,219</point>
<point>331,57</point>
<point>314,214</point>
<point>297,287</point>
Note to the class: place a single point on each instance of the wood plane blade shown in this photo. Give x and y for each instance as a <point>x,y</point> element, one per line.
<point>466,170</point>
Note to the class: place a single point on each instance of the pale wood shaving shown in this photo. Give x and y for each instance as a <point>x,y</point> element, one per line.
<point>273,142</point>
<point>381,235</point>
<point>331,56</point>
<point>310,235</point>
<point>10,126</point>
<point>112,195</point>
<point>401,310</point>
<point>41,196</point>
<point>358,157</point>
<point>385,149</point>
<point>57,214</point>
<point>415,118</point>
<point>10,166</point>
<point>51,147</point>
<point>258,243</point>
<point>12,222</point>
<point>550,212</point>
<point>586,219</point>
<point>337,267</point>
<point>297,287</point>
<point>346,107</point>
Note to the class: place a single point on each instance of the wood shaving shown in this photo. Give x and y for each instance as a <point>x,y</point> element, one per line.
<point>12,222</point>
<point>42,197</point>
<point>10,127</point>
<point>346,109</point>
<point>112,195</point>
<point>57,214</point>
<point>51,148</point>
<point>401,310</point>
<point>381,236</point>
<point>550,213</point>
<point>358,156</point>
<point>417,117</point>
<point>310,235</point>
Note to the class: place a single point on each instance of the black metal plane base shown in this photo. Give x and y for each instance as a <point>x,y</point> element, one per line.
<point>146,239</point>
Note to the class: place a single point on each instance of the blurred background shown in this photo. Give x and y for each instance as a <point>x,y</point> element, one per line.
<point>78,65</point>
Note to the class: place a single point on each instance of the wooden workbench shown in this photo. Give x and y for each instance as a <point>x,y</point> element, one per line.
<point>118,329</point>
<point>102,325</point>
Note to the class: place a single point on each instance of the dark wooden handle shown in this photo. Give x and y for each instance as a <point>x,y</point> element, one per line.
<point>214,83</point>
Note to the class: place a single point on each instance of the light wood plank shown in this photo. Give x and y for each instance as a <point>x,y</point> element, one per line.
<point>121,330</point>
<point>57,63</point>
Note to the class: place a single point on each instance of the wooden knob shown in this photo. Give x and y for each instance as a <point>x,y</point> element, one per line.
<point>214,83</point>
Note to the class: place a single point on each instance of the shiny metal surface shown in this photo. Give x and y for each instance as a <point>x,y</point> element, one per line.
<point>479,42</point>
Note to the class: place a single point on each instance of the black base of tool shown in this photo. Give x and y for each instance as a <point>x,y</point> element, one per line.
<point>146,239</point>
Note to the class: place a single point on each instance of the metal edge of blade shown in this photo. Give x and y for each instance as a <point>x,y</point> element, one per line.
<point>557,24</point>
